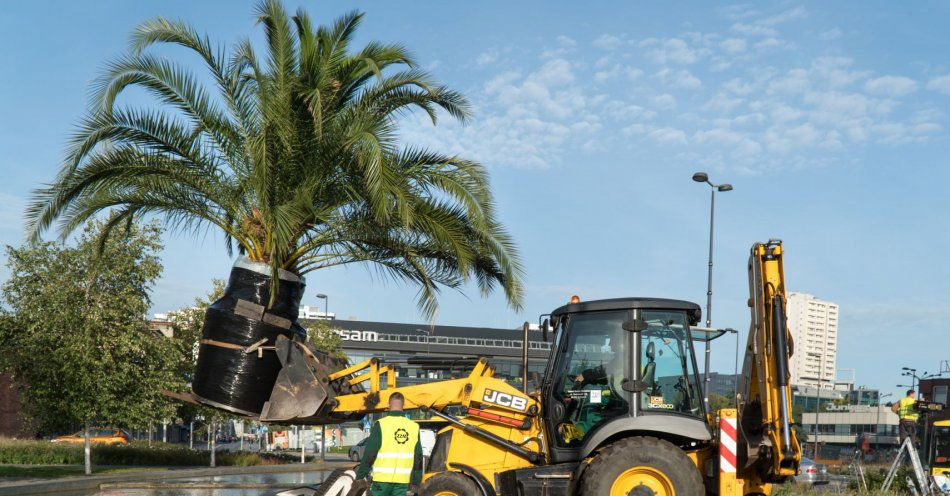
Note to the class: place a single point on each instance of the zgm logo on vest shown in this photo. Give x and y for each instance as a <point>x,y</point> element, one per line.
<point>504,399</point>
<point>401,435</point>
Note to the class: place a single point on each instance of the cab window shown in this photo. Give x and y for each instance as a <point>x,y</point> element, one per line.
<point>668,370</point>
<point>590,374</point>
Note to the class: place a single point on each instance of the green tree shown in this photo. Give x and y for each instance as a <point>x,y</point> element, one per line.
<point>325,338</point>
<point>718,402</point>
<point>75,334</point>
<point>186,329</point>
<point>294,156</point>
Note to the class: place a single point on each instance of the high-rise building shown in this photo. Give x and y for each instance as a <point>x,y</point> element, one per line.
<point>813,324</point>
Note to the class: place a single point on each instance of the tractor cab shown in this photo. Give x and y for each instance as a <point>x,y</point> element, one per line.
<point>619,367</point>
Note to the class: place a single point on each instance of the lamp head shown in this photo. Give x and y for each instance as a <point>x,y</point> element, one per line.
<point>724,187</point>
<point>701,177</point>
<point>322,296</point>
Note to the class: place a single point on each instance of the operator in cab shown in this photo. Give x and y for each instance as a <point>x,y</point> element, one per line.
<point>906,410</point>
<point>393,453</point>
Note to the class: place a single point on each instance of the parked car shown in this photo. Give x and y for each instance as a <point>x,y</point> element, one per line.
<point>812,473</point>
<point>356,451</point>
<point>97,435</point>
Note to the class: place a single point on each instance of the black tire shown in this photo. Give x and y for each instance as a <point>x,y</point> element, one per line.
<point>324,488</point>
<point>650,455</point>
<point>450,482</point>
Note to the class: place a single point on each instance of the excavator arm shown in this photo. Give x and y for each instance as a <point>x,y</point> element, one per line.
<point>769,451</point>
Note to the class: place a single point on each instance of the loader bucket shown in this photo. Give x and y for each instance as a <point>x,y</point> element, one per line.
<point>303,392</point>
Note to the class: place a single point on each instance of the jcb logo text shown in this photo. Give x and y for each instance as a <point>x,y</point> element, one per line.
<point>505,399</point>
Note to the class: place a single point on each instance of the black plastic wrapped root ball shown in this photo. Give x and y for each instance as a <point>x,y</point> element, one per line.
<point>226,375</point>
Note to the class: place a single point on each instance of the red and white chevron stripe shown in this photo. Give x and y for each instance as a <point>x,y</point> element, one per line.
<point>728,436</point>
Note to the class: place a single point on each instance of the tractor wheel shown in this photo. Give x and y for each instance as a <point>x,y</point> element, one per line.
<point>449,484</point>
<point>642,466</point>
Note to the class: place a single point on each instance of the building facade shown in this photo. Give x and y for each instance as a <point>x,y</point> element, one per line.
<point>424,353</point>
<point>864,396</point>
<point>842,425</point>
<point>723,384</point>
<point>806,397</point>
<point>813,324</point>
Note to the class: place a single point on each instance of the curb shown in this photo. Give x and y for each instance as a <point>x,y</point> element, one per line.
<point>91,483</point>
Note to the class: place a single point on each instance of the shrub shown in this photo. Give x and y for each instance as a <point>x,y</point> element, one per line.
<point>16,452</point>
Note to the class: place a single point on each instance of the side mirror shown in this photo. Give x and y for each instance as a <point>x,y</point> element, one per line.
<point>545,327</point>
<point>635,325</point>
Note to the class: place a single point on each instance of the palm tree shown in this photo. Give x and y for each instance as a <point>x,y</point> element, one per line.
<point>293,157</point>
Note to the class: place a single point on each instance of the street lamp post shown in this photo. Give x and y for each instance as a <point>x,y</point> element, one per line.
<point>821,360</point>
<point>702,177</point>
<point>427,334</point>
<point>877,428</point>
<point>323,428</point>
<point>326,305</point>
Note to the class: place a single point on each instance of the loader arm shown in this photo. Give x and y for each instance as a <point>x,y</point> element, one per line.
<point>769,451</point>
<point>313,388</point>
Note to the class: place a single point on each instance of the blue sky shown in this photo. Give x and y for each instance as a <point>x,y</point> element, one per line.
<point>829,119</point>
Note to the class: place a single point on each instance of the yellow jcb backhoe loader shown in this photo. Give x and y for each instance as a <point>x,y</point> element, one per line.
<point>620,410</point>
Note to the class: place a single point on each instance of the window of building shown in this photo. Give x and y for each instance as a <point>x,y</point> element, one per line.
<point>940,394</point>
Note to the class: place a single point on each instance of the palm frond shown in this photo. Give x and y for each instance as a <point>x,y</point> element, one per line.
<point>293,155</point>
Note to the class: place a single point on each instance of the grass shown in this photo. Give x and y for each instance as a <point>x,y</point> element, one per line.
<point>805,490</point>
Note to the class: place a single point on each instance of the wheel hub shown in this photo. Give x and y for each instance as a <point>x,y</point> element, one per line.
<point>642,481</point>
<point>641,490</point>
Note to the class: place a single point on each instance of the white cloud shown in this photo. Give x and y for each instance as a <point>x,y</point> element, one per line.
<point>766,26</point>
<point>941,84</point>
<point>831,34</point>
<point>487,57</point>
<point>795,81</point>
<point>667,136</point>
<point>737,86</point>
<point>665,101</point>
<point>753,29</point>
<point>607,42</point>
<point>891,86</point>
<point>733,45</point>
<point>678,78</point>
<point>722,103</point>
<point>675,50</point>
<point>836,70</point>
<point>631,73</point>
<point>738,142</point>
<point>760,112</point>
<point>788,15</point>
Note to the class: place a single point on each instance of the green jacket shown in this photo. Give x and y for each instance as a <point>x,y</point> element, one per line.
<point>371,447</point>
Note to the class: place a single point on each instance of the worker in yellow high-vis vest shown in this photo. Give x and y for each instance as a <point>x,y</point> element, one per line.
<point>906,410</point>
<point>392,453</point>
